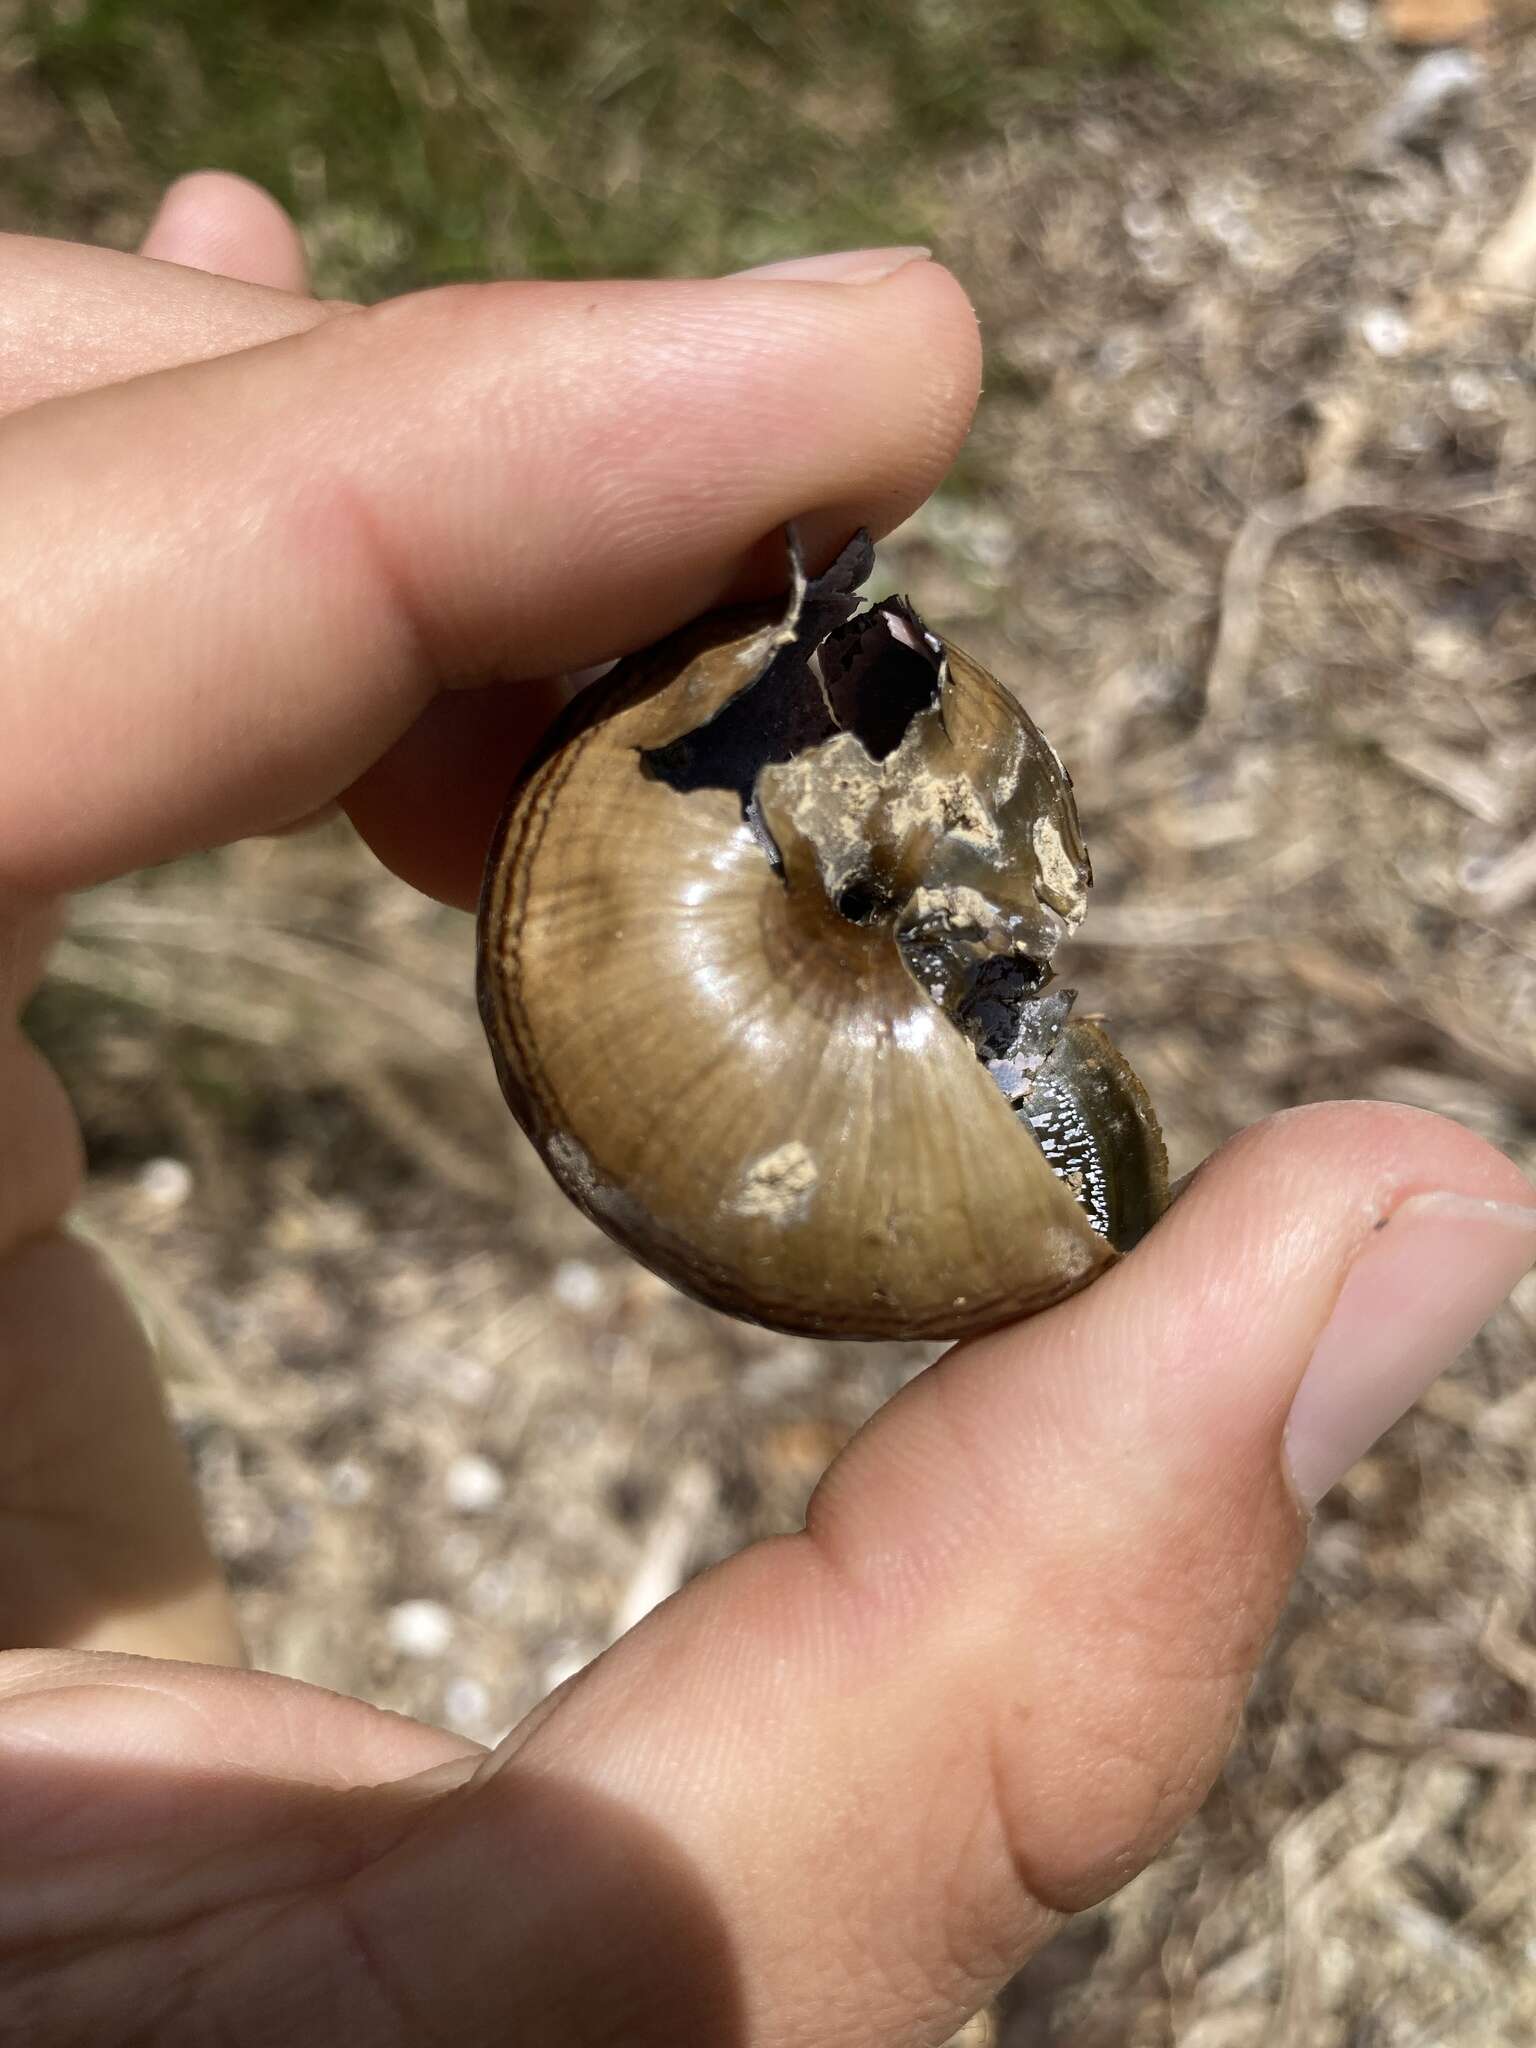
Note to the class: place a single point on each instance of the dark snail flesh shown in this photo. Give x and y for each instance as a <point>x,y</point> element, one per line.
<point>765,962</point>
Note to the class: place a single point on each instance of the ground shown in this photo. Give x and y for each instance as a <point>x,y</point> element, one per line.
<point>451,1439</point>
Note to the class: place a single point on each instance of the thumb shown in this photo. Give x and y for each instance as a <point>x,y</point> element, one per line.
<point>1002,1663</point>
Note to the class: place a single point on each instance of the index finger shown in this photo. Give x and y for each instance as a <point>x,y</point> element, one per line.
<point>230,587</point>
<point>74,317</point>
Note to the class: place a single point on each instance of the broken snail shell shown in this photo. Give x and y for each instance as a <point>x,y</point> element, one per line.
<point>765,948</point>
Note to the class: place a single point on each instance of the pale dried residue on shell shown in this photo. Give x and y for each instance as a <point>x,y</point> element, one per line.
<point>1060,886</point>
<point>829,795</point>
<point>945,806</point>
<point>780,1184</point>
<point>570,1161</point>
<point>573,1167</point>
<point>1070,1256</point>
<point>841,801</point>
<point>963,909</point>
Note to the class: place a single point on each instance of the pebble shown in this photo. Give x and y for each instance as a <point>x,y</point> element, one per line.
<point>419,1628</point>
<point>165,1183</point>
<point>466,1705</point>
<point>473,1484</point>
<point>348,1482</point>
<point>1385,331</point>
<point>577,1285</point>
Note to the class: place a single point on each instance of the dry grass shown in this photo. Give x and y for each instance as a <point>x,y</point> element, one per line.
<point>423,140</point>
<point>1216,306</point>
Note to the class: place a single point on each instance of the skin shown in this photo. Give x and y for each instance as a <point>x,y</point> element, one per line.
<point>257,555</point>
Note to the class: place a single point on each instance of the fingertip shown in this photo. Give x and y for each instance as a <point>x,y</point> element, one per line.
<point>932,296</point>
<point>1180,1365</point>
<point>220,222</point>
<point>924,404</point>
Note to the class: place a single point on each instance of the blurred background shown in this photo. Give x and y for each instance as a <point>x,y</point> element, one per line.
<point>1248,522</point>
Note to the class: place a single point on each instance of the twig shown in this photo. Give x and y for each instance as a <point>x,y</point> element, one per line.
<point>1248,563</point>
<point>1507,265</point>
<point>1505,268</point>
<point>1453,775</point>
<point>1274,521</point>
<point>1509,882</point>
<point>663,1558</point>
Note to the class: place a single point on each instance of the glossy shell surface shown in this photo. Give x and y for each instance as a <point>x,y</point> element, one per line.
<point>764,964</point>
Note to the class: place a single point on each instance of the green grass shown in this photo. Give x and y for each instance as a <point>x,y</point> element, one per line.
<point>460,138</point>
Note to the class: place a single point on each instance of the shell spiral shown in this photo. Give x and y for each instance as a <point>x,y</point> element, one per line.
<point>765,949</point>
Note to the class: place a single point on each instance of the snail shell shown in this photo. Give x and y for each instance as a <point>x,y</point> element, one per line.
<point>765,949</point>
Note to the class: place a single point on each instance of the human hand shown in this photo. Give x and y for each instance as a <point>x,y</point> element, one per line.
<point>837,1789</point>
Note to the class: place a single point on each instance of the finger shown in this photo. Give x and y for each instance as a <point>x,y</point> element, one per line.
<point>27,932</point>
<point>294,548</point>
<point>1004,1661</point>
<point>100,1537</point>
<point>101,1541</point>
<point>74,318</point>
<point>146,1799</point>
<point>212,220</point>
<point>463,748</point>
<point>177,1855</point>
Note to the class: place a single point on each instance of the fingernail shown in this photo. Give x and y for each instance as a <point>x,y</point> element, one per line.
<point>1419,1291</point>
<point>840,266</point>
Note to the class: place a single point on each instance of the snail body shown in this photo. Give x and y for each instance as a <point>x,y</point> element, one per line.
<point>765,947</point>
